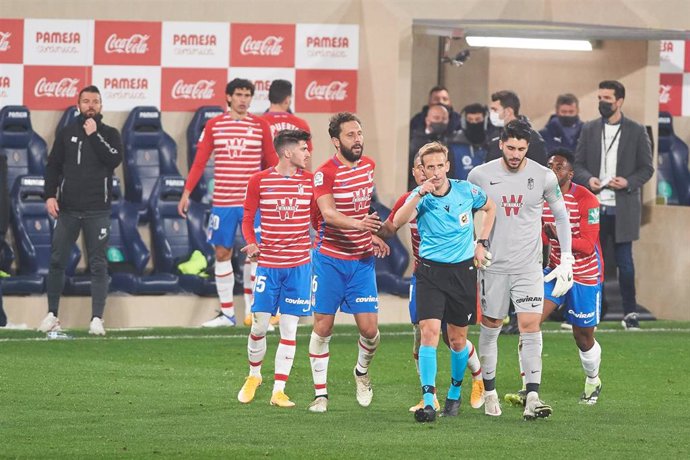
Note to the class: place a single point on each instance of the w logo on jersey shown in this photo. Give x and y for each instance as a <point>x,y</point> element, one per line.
<point>233,147</point>
<point>286,208</point>
<point>359,199</point>
<point>511,205</point>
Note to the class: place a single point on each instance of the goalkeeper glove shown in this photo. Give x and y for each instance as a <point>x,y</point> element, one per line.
<point>563,274</point>
<point>485,263</point>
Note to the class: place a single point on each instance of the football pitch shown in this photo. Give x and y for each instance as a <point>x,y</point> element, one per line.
<point>172,393</point>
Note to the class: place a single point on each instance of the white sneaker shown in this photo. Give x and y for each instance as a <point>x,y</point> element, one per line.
<point>566,326</point>
<point>492,406</point>
<point>364,391</point>
<point>535,408</point>
<point>50,323</point>
<point>220,321</point>
<point>96,326</point>
<point>16,327</point>
<point>318,405</point>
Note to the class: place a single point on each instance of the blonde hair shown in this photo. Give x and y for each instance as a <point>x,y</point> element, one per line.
<point>431,148</point>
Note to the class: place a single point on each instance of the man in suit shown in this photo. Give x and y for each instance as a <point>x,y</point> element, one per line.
<point>614,159</point>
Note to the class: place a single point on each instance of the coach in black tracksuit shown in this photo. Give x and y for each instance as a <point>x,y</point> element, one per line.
<point>78,185</point>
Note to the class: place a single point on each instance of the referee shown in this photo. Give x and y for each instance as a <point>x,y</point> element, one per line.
<point>446,276</point>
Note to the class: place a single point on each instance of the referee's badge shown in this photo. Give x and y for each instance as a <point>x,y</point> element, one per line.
<point>464,219</point>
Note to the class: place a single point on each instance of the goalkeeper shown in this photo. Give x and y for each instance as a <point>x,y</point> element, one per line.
<point>446,274</point>
<point>519,186</point>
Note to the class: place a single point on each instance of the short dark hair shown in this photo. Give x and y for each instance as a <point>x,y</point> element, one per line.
<point>89,89</point>
<point>436,89</point>
<point>239,83</point>
<point>279,91</point>
<point>565,153</point>
<point>507,99</point>
<point>288,137</point>
<point>336,121</point>
<point>566,99</point>
<point>518,129</point>
<point>474,108</point>
<point>616,86</point>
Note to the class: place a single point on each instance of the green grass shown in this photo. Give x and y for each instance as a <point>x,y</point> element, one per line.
<point>175,396</point>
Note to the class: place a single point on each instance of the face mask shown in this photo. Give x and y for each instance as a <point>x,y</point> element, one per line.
<point>568,121</point>
<point>496,120</point>
<point>606,109</point>
<point>475,132</point>
<point>438,127</point>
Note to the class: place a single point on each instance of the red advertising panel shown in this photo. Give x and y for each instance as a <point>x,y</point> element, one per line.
<point>11,41</point>
<point>326,91</point>
<point>53,87</point>
<point>127,43</point>
<point>671,93</point>
<point>262,45</point>
<point>188,89</point>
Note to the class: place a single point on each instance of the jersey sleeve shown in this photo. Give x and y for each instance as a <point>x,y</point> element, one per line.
<point>552,191</point>
<point>323,183</point>
<point>398,204</point>
<point>589,224</point>
<point>251,205</point>
<point>478,196</point>
<point>204,148</point>
<point>269,157</point>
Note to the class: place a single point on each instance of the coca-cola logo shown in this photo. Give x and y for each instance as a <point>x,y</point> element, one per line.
<point>135,44</point>
<point>66,87</point>
<point>269,46</point>
<point>202,89</point>
<point>333,91</point>
<point>5,40</point>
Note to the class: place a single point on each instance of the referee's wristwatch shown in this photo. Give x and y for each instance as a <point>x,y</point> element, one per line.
<point>484,243</point>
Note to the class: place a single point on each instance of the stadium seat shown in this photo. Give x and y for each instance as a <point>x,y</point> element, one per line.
<point>174,238</point>
<point>26,151</point>
<point>390,269</point>
<point>673,174</point>
<point>149,153</point>
<point>68,116</point>
<point>32,228</point>
<point>196,126</point>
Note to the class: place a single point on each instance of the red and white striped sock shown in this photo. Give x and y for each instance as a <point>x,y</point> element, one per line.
<point>285,355</point>
<point>367,350</point>
<point>318,356</point>
<point>256,344</point>
<point>225,283</point>
<point>473,363</point>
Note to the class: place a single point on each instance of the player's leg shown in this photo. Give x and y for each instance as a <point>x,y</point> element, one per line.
<point>494,294</point>
<point>256,351</point>
<point>248,277</point>
<point>584,314</point>
<point>475,367</point>
<point>318,357</point>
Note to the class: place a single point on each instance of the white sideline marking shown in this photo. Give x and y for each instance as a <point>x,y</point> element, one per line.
<point>341,334</point>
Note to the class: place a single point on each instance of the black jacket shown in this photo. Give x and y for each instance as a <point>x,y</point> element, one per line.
<point>556,135</point>
<point>80,167</point>
<point>418,123</point>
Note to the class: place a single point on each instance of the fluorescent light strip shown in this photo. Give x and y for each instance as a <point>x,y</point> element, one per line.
<point>530,43</point>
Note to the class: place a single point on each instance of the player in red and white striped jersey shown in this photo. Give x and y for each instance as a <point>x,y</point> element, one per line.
<point>279,116</point>
<point>583,301</point>
<point>343,255</point>
<point>284,195</point>
<point>242,145</point>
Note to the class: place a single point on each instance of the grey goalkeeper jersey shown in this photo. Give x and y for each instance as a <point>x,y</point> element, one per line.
<point>515,241</point>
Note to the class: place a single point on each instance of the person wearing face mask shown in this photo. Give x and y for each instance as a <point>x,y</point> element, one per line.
<point>435,129</point>
<point>504,108</point>
<point>564,127</point>
<point>467,147</point>
<point>437,95</point>
<point>614,160</point>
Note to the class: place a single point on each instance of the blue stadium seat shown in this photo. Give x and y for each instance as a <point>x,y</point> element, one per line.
<point>68,116</point>
<point>149,153</point>
<point>196,126</point>
<point>32,228</point>
<point>390,269</point>
<point>26,151</point>
<point>673,180</point>
<point>173,238</point>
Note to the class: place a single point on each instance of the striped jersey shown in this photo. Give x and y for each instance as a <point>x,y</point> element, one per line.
<point>351,188</point>
<point>280,121</point>
<point>285,205</point>
<point>414,234</point>
<point>240,148</point>
<point>583,210</point>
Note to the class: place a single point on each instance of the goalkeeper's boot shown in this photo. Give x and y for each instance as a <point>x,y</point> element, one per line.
<point>535,408</point>
<point>477,397</point>
<point>437,406</point>
<point>280,399</point>
<point>427,414</point>
<point>246,394</point>
<point>451,408</point>
<point>319,404</point>
<point>491,405</point>
<point>591,393</point>
<point>516,399</point>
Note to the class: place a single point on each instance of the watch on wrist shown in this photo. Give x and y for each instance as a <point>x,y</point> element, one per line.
<point>484,243</point>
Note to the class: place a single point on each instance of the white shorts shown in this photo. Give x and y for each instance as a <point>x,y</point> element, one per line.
<point>497,290</point>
